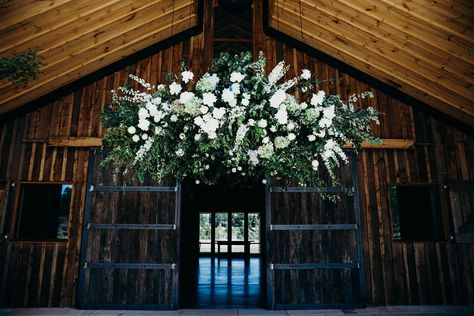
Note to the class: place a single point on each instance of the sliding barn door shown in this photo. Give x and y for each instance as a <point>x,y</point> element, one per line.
<point>130,242</point>
<point>314,254</point>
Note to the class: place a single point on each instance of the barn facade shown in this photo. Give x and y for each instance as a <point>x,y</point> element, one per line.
<point>402,232</point>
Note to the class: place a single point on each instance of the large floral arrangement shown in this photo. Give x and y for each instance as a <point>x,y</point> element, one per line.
<point>234,119</point>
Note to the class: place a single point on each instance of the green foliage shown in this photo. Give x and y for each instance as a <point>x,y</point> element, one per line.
<point>21,68</point>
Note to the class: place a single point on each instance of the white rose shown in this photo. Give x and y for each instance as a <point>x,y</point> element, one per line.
<point>132,130</point>
<point>303,105</point>
<point>306,74</point>
<point>197,182</point>
<point>273,129</point>
<point>174,118</point>
<point>251,122</point>
<point>282,116</point>
<point>311,138</point>
<point>209,99</point>
<point>145,136</point>
<point>143,113</point>
<point>204,109</point>
<point>266,139</point>
<point>218,113</point>
<point>290,126</point>
<point>135,138</point>
<point>291,136</point>
<point>236,76</point>
<point>186,76</point>
<point>235,88</point>
<point>143,125</point>
<point>264,181</point>
<point>182,136</point>
<point>315,164</point>
<point>245,102</point>
<point>197,137</point>
<point>317,99</point>
<point>234,170</point>
<point>262,123</point>
<point>175,88</point>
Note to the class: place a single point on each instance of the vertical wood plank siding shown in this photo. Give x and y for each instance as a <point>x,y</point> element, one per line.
<point>46,273</point>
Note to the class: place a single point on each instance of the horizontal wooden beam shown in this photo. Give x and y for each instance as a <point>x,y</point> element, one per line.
<point>388,144</point>
<point>97,142</point>
<point>75,142</point>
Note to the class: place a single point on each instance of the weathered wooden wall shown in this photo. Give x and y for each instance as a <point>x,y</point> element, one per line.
<point>46,274</point>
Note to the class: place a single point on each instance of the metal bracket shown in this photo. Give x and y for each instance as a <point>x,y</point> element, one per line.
<point>91,188</point>
<point>86,265</point>
<point>88,226</point>
<point>272,267</point>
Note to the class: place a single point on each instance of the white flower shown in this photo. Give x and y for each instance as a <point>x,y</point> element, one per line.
<point>204,109</point>
<point>245,102</point>
<point>236,77</point>
<point>182,136</point>
<point>197,181</point>
<point>206,167</point>
<point>229,97</point>
<point>291,136</point>
<point>198,121</point>
<point>209,99</point>
<point>315,164</point>
<point>328,113</point>
<point>218,113</point>
<point>277,98</point>
<point>282,116</point>
<point>311,138</point>
<point>174,118</point>
<point>180,152</point>
<point>253,157</point>
<point>143,113</point>
<point>234,170</point>
<point>276,73</point>
<point>185,97</point>
<point>132,130</point>
<point>175,88</point>
<point>212,135</point>
<point>264,181</point>
<point>143,124</point>
<point>239,168</point>
<point>186,76</point>
<point>156,101</point>
<point>157,116</point>
<point>145,136</point>
<point>303,105</point>
<point>290,126</point>
<point>273,129</point>
<point>306,74</point>
<point>324,122</point>
<point>136,138</point>
<point>262,123</point>
<point>235,87</point>
<point>251,122</point>
<point>266,139</point>
<point>317,99</point>
<point>197,137</point>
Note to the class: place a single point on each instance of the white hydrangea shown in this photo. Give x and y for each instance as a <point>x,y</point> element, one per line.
<point>218,113</point>
<point>187,76</point>
<point>235,87</point>
<point>277,98</point>
<point>236,76</point>
<point>175,88</point>
<point>185,97</point>
<point>282,116</point>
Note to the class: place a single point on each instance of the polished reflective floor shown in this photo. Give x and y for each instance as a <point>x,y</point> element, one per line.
<point>229,283</point>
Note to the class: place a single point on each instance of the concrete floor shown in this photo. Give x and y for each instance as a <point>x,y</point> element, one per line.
<point>370,311</point>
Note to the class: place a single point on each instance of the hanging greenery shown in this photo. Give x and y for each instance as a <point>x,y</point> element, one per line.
<point>21,68</point>
<point>234,120</point>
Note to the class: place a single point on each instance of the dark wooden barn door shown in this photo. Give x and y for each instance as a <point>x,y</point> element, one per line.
<point>313,245</point>
<point>130,242</point>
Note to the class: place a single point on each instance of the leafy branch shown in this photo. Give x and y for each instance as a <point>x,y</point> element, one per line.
<point>21,68</point>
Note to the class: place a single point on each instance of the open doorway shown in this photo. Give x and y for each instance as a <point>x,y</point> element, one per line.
<point>222,246</point>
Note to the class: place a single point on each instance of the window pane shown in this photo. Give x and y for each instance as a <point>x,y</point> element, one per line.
<point>44,211</point>
<point>254,232</point>
<point>205,232</point>
<point>221,232</point>
<point>415,214</point>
